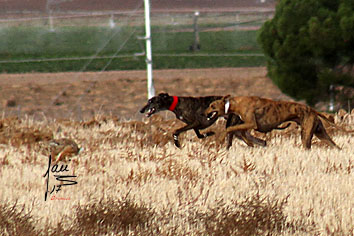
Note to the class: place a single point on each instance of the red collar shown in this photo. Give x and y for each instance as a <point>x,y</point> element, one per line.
<point>174,103</point>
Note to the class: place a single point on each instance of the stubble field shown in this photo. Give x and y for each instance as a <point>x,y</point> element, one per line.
<point>132,180</point>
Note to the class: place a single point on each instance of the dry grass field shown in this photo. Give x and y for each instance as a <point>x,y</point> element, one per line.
<point>131,180</point>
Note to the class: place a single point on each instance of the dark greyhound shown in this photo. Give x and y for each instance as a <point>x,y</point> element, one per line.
<point>191,110</point>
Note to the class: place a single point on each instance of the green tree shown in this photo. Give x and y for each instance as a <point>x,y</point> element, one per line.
<point>309,44</point>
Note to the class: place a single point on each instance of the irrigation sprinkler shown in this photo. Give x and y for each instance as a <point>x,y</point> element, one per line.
<point>112,24</point>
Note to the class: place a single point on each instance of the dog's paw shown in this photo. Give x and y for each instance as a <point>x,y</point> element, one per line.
<point>177,144</point>
<point>175,139</point>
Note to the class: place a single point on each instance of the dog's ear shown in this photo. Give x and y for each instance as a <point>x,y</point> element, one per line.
<point>227,97</point>
<point>164,95</point>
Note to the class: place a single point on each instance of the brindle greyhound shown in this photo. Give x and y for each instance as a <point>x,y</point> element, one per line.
<point>190,110</point>
<point>264,115</point>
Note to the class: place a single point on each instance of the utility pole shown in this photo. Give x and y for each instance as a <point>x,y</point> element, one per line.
<point>150,82</point>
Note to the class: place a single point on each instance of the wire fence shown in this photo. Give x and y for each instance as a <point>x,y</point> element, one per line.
<point>162,23</point>
<point>113,18</point>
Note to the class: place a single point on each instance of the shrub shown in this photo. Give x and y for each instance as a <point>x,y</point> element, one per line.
<point>309,45</point>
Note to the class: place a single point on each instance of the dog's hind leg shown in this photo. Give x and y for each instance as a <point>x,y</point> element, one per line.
<point>307,129</point>
<point>322,134</point>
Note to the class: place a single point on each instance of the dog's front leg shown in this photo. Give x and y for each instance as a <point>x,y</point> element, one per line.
<point>232,119</point>
<point>245,136</point>
<point>232,129</point>
<point>178,131</point>
<point>245,126</point>
<point>255,140</point>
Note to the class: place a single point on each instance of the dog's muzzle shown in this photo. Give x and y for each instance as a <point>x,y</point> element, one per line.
<point>212,115</point>
<point>150,111</point>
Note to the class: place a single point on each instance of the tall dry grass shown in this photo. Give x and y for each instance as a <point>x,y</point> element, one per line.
<point>133,181</point>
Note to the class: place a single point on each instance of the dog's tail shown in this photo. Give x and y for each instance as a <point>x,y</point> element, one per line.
<point>330,121</point>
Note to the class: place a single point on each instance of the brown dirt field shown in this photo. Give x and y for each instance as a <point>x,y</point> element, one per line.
<point>120,93</point>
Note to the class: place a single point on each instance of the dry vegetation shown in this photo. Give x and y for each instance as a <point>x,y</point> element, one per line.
<point>133,181</point>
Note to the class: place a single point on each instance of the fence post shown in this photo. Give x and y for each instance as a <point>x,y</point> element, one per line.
<point>51,25</point>
<point>50,18</point>
<point>150,82</point>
